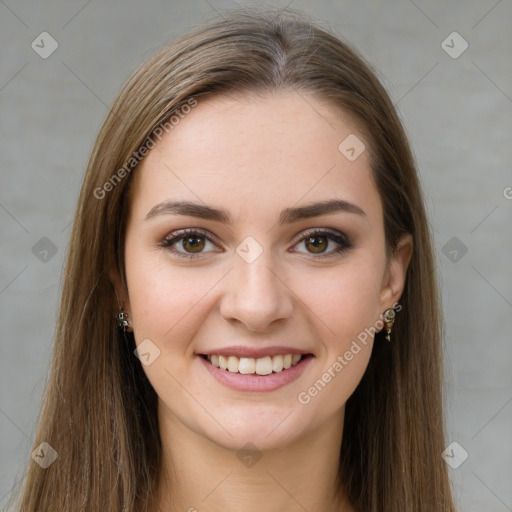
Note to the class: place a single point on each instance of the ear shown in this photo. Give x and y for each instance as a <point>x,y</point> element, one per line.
<point>121,291</point>
<point>394,278</point>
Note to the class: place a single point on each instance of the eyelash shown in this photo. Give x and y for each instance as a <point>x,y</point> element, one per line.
<point>339,238</point>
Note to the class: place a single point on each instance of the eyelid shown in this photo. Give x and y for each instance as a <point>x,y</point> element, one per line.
<point>338,237</point>
<point>320,231</point>
<point>174,237</point>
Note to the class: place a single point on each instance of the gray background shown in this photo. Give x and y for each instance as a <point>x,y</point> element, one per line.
<point>457,112</point>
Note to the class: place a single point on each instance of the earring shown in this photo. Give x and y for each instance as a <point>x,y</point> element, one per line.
<point>123,323</point>
<point>389,318</point>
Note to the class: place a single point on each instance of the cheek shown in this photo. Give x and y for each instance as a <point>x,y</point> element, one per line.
<point>345,299</point>
<point>164,297</point>
<point>345,303</point>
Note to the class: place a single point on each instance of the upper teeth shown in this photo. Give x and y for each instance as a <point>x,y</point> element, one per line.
<point>262,366</point>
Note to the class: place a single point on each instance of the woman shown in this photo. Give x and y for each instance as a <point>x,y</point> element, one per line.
<point>249,317</point>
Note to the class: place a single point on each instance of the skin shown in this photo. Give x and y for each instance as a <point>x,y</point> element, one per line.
<point>255,156</point>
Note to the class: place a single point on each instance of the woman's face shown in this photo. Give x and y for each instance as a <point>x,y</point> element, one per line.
<point>264,276</point>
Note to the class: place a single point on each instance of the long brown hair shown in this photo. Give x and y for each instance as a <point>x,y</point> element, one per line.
<point>99,409</point>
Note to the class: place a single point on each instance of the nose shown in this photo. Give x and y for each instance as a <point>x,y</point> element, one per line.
<point>256,294</point>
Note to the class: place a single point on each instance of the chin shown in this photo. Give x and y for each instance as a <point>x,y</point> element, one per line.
<point>265,429</point>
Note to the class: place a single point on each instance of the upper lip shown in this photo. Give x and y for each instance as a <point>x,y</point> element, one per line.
<point>254,352</point>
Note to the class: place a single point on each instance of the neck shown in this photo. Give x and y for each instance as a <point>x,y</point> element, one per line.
<point>200,476</point>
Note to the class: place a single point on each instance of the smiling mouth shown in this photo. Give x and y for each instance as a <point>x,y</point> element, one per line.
<point>251,366</point>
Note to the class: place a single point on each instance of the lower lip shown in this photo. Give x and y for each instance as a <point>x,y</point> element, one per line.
<point>271,382</point>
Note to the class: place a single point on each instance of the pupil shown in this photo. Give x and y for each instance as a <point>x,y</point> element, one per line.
<point>317,242</point>
<point>194,243</point>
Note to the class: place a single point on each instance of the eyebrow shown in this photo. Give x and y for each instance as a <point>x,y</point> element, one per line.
<point>287,216</point>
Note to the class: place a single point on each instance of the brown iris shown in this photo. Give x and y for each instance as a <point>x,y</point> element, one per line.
<point>316,243</point>
<point>193,243</point>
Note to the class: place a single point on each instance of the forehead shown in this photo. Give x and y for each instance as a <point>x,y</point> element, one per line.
<point>248,153</point>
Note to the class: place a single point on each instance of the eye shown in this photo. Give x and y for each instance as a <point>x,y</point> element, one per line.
<point>318,241</point>
<point>192,243</point>
<point>187,243</point>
